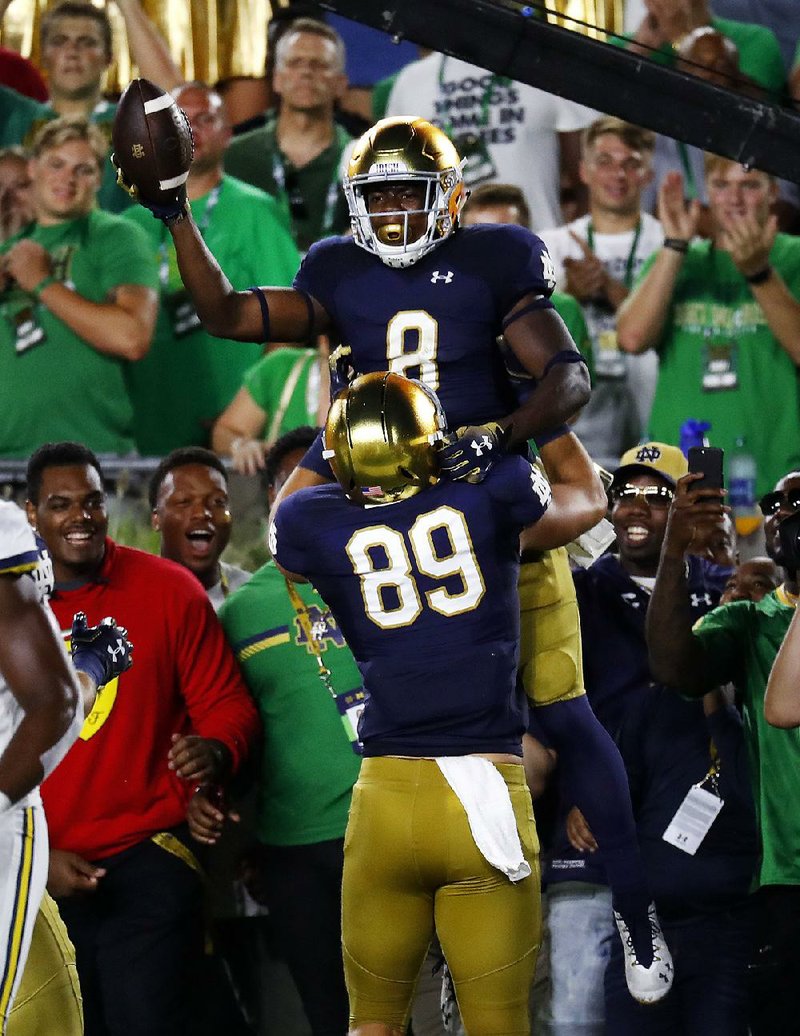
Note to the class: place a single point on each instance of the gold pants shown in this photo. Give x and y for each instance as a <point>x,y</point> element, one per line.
<point>550,665</point>
<point>49,997</point>
<point>411,864</point>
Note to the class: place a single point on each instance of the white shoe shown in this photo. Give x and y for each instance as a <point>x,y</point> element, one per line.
<point>647,985</point>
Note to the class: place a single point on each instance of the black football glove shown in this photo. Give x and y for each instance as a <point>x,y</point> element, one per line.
<point>102,651</point>
<point>168,210</point>
<point>467,454</point>
<point>342,370</point>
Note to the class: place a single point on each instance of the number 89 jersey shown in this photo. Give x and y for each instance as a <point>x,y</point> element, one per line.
<point>439,319</point>
<point>425,593</point>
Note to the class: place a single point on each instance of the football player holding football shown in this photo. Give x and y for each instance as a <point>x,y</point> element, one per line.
<point>413,292</point>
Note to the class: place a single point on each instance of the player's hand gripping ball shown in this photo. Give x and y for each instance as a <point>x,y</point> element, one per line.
<point>153,149</point>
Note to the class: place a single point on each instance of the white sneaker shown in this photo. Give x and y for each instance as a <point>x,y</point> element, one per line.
<point>647,985</point>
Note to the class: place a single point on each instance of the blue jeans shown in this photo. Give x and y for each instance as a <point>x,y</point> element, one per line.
<point>709,993</point>
<point>582,930</point>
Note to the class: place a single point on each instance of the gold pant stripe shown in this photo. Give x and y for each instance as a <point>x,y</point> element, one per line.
<point>20,910</point>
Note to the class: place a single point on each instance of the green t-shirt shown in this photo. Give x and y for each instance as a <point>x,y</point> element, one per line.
<point>189,376</point>
<point>318,207</point>
<point>759,52</point>
<point>52,384</point>
<point>740,641</point>
<point>286,384</point>
<point>308,766</point>
<point>719,361</point>
<point>22,117</point>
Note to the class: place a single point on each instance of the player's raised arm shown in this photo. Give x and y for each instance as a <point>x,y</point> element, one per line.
<point>153,152</point>
<point>579,498</point>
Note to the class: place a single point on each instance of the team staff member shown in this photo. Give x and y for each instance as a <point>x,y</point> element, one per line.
<point>116,808</point>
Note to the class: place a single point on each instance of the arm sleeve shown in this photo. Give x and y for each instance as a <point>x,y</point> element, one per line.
<point>288,543</point>
<point>314,461</point>
<point>316,274</point>
<point>524,267</point>
<point>217,699</point>
<point>520,490</point>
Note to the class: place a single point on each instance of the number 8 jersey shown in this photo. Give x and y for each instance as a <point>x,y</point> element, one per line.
<point>425,592</point>
<point>439,319</point>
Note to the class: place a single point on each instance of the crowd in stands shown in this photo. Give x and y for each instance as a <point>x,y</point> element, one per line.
<point>675,272</point>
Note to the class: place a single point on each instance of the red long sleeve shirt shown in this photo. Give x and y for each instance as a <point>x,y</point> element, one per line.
<point>114,788</point>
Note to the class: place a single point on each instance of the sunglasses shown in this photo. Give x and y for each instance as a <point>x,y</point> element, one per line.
<point>654,496</point>
<point>772,502</point>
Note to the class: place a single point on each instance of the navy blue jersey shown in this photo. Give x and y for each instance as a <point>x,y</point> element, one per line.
<point>439,319</point>
<point>425,592</point>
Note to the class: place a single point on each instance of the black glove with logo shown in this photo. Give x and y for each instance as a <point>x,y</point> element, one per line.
<point>467,454</point>
<point>102,651</point>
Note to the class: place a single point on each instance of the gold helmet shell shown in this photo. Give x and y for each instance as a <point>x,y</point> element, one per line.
<point>398,150</point>
<point>380,438</point>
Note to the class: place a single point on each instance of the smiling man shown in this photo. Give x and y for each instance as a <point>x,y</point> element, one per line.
<point>189,503</point>
<point>122,870</point>
<point>77,304</point>
<point>613,597</point>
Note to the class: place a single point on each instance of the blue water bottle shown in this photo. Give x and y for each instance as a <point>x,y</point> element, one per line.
<point>693,433</point>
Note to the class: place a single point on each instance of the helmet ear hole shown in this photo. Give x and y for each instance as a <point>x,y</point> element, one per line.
<point>406,473</point>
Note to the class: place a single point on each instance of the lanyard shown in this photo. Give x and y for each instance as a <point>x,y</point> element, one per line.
<point>631,255</point>
<point>202,226</point>
<point>331,198</point>
<point>494,80</point>
<point>305,624</point>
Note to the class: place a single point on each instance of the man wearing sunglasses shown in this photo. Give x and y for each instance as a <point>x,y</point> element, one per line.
<point>613,596</point>
<point>738,643</point>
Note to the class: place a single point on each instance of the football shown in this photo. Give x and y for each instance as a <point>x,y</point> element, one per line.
<point>152,143</point>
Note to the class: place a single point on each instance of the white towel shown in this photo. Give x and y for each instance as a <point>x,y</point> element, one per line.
<point>483,793</point>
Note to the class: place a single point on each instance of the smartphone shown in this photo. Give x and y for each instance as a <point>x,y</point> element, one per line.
<point>707,460</point>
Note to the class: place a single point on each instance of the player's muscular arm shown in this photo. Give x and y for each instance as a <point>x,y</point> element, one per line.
<point>237,314</point>
<point>579,499</point>
<point>33,664</point>
<point>537,338</point>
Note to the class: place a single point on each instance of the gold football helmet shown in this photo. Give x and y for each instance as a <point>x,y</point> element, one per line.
<point>380,438</point>
<point>398,150</point>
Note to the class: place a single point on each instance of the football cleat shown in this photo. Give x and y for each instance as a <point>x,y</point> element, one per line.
<point>380,438</point>
<point>402,150</point>
<point>647,985</point>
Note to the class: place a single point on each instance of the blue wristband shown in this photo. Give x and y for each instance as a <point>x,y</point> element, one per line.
<point>88,662</point>
<point>543,438</point>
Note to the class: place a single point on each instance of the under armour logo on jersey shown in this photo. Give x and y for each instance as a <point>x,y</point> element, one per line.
<point>696,600</point>
<point>648,453</point>
<point>446,277</point>
<point>484,444</point>
<point>632,599</point>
